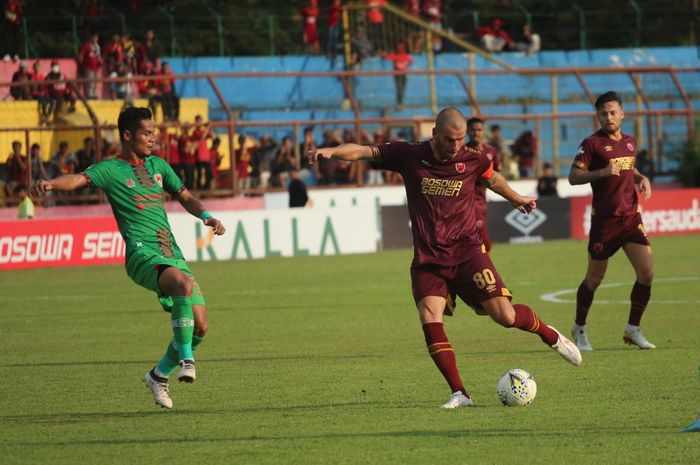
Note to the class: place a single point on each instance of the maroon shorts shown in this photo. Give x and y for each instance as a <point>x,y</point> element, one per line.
<point>474,281</point>
<point>609,234</point>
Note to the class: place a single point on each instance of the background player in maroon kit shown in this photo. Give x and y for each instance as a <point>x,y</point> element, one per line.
<point>440,176</point>
<point>607,159</point>
<point>475,133</point>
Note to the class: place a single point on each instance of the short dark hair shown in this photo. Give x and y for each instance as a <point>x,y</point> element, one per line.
<point>21,188</point>
<point>474,120</point>
<point>609,96</point>
<point>130,119</point>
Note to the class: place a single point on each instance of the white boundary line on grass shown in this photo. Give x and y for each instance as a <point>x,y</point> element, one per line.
<point>554,297</point>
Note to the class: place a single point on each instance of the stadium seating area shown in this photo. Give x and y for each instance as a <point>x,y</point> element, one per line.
<point>317,98</point>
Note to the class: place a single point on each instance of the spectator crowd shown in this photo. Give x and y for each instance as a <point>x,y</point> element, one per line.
<point>134,68</point>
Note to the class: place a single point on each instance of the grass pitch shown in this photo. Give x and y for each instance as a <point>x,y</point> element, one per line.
<point>321,360</point>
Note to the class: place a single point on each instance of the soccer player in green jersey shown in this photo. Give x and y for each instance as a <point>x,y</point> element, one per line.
<point>135,184</point>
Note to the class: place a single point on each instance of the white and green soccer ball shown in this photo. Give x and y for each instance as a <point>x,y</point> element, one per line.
<point>516,388</point>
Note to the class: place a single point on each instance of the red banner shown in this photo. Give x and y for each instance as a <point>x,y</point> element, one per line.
<point>60,242</point>
<point>667,212</point>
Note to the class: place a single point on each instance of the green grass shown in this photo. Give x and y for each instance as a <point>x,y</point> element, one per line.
<point>321,360</point>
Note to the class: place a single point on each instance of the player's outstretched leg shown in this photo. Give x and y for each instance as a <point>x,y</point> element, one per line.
<point>639,298</point>
<point>584,299</point>
<point>527,320</point>
<point>443,355</point>
<point>183,331</point>
<point>159,388</point>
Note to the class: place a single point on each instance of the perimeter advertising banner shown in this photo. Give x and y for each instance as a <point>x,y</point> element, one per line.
<point>550,220</point>
<point>250,234</point>
<point>60,242</point>
<point>665,213</point>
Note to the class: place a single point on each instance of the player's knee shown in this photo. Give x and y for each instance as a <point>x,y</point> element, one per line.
<point>645,276</point>
<point>184,285</point>
<point>200,329</point>
<point>429,314</point>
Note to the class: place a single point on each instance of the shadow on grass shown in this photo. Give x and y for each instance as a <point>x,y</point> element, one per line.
<point>76,417</point>
<point>438,434</point>
<point>209,360</point>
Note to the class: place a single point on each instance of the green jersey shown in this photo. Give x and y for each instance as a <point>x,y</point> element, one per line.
<point>136,193</point>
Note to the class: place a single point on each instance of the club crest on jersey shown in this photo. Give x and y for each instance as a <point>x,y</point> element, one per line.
<point>130,183</point>
<point>460,167</point>
<point>158,178</point>
<point>630,146</point>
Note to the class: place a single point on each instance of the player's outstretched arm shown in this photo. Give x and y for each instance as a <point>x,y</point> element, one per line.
<point>347,152</point>
<point>65,183</point>
<point>500,186</point>
<point>194,207</point>
<point>579,176</point>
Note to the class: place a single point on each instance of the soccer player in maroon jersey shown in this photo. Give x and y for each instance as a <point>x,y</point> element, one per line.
<point>606,159</point>
<point>475,134</point>
<point>440,176</point>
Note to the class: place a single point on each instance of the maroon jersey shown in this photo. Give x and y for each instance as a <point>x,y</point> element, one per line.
<point>440,198</point>
<point>614,195</point>
<point>480,192</point>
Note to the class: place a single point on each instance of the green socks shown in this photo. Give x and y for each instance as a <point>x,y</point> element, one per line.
<point>171,359</point>
<point>183,326</point>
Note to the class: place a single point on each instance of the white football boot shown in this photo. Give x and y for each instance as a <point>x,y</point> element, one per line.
<point>160,391</point>
<point>567,349</point>
<point>635,337</point>
<point>187,371</point>
<point>457,399</point>
<point>581,338</point>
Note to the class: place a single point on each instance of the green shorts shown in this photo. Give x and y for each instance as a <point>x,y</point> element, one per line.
<point>143,266</point>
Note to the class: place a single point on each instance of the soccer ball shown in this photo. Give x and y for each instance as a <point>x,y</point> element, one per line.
<point>516,387</point>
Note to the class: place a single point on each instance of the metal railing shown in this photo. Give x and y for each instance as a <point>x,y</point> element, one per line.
<point>649,121</point>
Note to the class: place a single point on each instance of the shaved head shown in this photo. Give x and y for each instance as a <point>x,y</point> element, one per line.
<point>450,117</point>
<point>449,133</point>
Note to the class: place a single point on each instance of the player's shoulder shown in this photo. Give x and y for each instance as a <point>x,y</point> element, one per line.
<point>156,161</point>
<point>105,164</point>
<point>629,139</point>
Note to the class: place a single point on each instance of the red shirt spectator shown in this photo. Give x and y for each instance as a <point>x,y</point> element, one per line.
<point>412,7</point>
<point>90,54</point>
<point>493,37</point>
<point>113,53</point>
<point>174,150</point>
<point>334,11</point>
<point>402,60</point>
<point>310,17</point>
<point>374,11</point>
<point>432,11</point>
<point>167,84</point>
